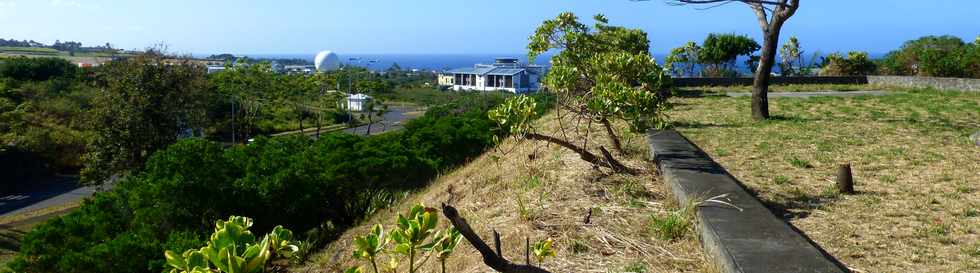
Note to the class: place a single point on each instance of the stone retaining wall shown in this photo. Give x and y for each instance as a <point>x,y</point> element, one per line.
<point>688,82</point>
<point>961,84</point>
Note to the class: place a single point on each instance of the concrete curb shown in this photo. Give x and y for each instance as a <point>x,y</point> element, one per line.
<point>750,240</point>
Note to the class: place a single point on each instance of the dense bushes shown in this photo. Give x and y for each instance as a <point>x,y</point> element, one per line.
<point>301,184</point>
<point>43,105</point>
<point>935,56</point>
<point>36,69</point>
<point>855,64</point>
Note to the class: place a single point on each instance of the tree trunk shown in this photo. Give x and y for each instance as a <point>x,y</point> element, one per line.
<point>606,161</point>
<point>760,85</point>
<point>582,152</point>
<point>319,116</point>
<point>301,124</point>
<point>370,122</point>
<point>617,146</point>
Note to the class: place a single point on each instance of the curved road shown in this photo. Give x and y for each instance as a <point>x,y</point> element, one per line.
<point>60,190</point>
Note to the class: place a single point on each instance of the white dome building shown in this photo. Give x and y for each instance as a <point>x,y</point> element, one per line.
<point>326,61</point>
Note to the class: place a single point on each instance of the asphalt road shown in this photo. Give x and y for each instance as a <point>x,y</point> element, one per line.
<point>60,190</point>
<point>393,120</point>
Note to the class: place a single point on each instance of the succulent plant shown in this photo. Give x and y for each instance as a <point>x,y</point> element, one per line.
<point>368,247</point>
<point>412,231</point>
<point>232,248</point>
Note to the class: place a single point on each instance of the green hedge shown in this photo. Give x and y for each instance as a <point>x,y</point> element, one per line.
<point>935,56</point>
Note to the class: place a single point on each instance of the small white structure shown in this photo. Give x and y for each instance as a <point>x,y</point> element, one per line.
<point>326,61</point>
<point>505,74</point>
<point>215,68</point>
<point>356,102</point>
<point>299,69</point>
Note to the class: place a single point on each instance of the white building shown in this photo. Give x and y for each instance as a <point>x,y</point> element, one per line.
<point>356,102</point>
<point>505,74</point>
<point>299,69</point>
<point>215,68</point>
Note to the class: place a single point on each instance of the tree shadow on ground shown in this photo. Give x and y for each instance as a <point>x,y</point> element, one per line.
<point>788,118</point>
<point>701,125</point>
<point>697,93</point>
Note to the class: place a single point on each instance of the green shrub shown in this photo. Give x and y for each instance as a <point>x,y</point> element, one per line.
<point>856,63</point>
<point>936,56</point>
<point>36,69</point>
<point>719,52</point>
<point>325,186</point>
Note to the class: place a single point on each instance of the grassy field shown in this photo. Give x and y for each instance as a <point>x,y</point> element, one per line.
<point>30,50</point>
<point>548,197</point>
<point>915,169</point>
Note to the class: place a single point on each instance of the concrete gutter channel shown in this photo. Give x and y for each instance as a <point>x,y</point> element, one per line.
<point>750,240</point>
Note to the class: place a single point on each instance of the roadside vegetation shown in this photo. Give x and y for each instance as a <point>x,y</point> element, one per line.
<point>330,183</point>
<point>914,165</point>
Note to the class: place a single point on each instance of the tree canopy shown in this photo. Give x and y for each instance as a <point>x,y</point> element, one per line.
<point>600,74</point>
<point>145,102</point>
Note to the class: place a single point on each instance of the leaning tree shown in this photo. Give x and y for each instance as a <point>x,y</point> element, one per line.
<point>771,15</point>
<point>599,75</point>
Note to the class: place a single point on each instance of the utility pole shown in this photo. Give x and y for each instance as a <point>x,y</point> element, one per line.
<point>233,120</point>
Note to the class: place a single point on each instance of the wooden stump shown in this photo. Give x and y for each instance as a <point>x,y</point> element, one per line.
<point>845,181</point>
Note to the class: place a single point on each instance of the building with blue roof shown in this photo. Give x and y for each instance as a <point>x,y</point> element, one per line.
<point>505,74</point>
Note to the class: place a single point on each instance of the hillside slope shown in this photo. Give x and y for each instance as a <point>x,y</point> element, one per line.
<point>527,188</point>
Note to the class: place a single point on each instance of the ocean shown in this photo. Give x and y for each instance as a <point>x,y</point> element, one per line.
<point>411,61</point>
<point>439,62</point>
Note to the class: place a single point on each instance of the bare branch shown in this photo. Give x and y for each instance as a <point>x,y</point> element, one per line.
<point>697,2</point>
<point>491,259</point>
<point>760,14</point>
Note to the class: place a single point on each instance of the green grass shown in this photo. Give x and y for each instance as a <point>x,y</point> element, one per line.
<point>911,156</point>
<point>30,50</point>
<point>635,267</point>
<point>781,180</point>
<point>672,226</point>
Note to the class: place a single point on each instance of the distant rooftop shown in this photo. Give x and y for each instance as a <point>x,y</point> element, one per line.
<point>501,66</point>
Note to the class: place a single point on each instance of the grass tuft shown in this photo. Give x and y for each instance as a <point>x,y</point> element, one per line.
<point>800,163</point>
<point>780,180</point>
<point>635,267</point>
<point>674,225</point>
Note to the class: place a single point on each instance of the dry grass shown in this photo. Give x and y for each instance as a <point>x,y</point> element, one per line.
<point>548,196</point>
<point>915,168</point>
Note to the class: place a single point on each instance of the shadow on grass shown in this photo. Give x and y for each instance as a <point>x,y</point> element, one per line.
<point>700,125</point>
<point>785,118</point>
<point>697,93</point>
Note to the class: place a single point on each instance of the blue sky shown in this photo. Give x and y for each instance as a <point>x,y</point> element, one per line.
<point>434,27</point>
